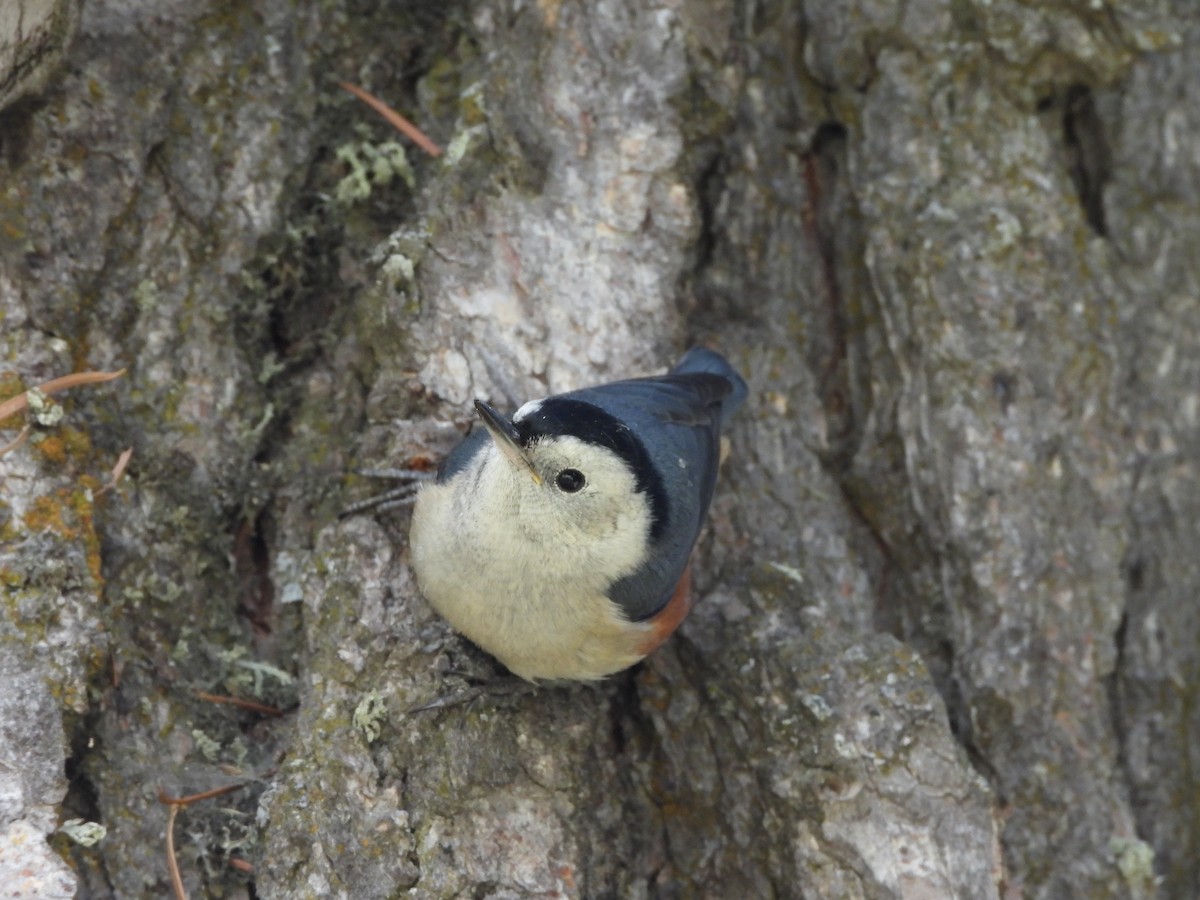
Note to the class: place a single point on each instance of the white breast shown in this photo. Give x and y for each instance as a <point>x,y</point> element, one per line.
<point>483,560</point>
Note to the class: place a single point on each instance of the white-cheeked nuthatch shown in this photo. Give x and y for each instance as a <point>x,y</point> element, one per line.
<point>558,540</point>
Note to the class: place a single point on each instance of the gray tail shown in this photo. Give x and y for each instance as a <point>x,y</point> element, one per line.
<point>701,359</point>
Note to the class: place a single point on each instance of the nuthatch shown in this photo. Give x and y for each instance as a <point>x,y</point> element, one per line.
<point>558,540</point>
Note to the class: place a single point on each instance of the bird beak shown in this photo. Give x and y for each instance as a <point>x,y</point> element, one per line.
<point>504,433</point>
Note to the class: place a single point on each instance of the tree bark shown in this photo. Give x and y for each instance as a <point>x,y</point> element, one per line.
<point>945,642</point>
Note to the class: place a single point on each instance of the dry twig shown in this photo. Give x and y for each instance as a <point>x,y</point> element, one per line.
<point>118,471</point>
<point>397,121</point>
<point>175,804</point>
<point>251,705</point>
<point>17,441</point>
<point>172,863</point>
<point>14,405</point>
<point>54,386</point>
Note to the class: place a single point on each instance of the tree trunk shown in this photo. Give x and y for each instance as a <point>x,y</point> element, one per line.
<point>946,640</point>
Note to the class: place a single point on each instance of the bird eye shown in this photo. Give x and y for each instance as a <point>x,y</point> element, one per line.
<point>570,480</point>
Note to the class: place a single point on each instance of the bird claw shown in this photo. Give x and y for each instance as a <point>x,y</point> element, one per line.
<point>404,495</point>
<point>503,686</point>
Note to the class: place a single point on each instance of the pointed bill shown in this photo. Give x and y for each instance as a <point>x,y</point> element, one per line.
<point>504,433</point>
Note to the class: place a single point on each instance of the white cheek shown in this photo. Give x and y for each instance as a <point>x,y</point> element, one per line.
<point>614,533</point>
<point>631,543</point>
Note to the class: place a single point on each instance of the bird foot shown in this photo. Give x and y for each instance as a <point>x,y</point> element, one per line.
<point>500,686</point>
<point>403,495</point>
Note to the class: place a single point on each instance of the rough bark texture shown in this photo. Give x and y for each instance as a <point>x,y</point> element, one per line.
<point>947,640</point>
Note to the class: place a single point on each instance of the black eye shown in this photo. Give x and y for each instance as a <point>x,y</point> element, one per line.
<point>570,480</point>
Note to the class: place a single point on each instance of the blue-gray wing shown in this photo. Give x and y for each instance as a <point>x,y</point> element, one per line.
<point>460,457</point>
<point>678,418</point>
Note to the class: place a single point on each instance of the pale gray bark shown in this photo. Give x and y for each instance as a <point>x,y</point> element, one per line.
<point>946,639</point>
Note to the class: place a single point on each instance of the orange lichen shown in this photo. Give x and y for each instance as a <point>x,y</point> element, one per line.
<point>11,578</point>
<point>52,448</point>
<point>47,514</point>
<point>11,385</point>
<point>68,513</point>
<point>85,507</point>
<point>78,443</point>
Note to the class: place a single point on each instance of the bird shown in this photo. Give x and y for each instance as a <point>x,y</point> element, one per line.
<point>558,538</point>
